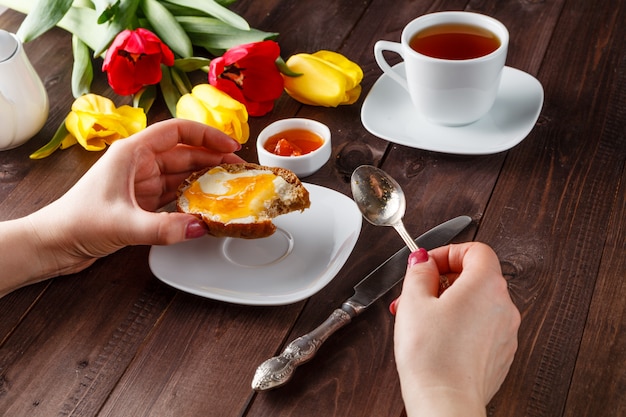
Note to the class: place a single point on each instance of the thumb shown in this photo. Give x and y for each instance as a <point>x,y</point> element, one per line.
<point>167,228</point>
<point>421,279</point>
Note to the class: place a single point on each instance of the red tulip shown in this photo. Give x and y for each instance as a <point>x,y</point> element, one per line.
<point>248,73</point>
<point>134,60</point>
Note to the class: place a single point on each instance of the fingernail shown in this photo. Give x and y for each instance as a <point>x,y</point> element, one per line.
<point>195,230</point>
<point>393,307</point>
<point>417,257</point>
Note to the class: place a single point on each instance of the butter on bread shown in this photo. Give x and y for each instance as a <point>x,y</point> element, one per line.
<point>240,200</point>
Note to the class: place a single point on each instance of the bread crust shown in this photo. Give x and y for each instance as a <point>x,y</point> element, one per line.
<point>251,230</point>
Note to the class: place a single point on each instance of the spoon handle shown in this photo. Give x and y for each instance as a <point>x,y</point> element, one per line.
<point>405,236</point>
<point>276,371</point>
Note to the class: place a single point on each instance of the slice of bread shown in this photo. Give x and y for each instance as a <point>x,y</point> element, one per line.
<point>240,200</point>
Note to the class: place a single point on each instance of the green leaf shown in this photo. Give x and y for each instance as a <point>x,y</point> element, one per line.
<point>168,29</point>
<point>178,10</point>
<point>171,95</point>
<point>284,69</point>
<point>181,81</point>
<point>43,16</point>
<point>109,13</point>
<point>125,17</point>
<point>53,145</point>
<point>212,8</point>
<point>213,34</point>
<point>82,70</point>
<point>192,64</point>
<point>22,6</point>
<point>145,97</point>
<point>79,21</point>
<point>83,3</point>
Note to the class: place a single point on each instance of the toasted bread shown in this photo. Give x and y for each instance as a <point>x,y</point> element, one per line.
<point>240,200</point>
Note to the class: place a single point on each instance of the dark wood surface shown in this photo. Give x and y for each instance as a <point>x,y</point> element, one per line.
<point>115,341</point>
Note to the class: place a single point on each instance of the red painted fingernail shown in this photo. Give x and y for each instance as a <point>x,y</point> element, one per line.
<point>393,307</point>
<point>195,230</point>
<point>417,257</point>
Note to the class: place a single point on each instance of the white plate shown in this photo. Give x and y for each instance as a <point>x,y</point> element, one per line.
<point>299,259</point>
<point>389,114</point>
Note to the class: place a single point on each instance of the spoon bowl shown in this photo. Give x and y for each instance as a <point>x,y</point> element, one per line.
<point>380,199</point>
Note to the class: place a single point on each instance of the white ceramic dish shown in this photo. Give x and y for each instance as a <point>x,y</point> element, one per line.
<point>388,113</point>
<point>304,255</point>
<point>303,165</point>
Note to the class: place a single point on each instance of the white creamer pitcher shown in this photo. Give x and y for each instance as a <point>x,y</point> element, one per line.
<point>23,98</point>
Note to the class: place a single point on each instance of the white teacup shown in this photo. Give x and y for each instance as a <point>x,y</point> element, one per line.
<point>449,90</point>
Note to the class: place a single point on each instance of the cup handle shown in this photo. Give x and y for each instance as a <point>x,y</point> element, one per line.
<point>396,47</point>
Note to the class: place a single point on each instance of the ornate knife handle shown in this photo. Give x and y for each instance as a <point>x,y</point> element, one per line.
<point>276,371</point>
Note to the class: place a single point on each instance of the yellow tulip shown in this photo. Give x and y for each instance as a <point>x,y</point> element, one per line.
<point>95,122</point>
<point>208,105</point>
<point>328,79</point>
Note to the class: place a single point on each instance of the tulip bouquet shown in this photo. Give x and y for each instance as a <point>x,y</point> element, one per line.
<point>145,44</point>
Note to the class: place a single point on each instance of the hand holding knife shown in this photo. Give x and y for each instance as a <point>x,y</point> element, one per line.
<point>278,370</point>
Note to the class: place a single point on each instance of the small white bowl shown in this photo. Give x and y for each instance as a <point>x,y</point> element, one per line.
<point>302,165</point>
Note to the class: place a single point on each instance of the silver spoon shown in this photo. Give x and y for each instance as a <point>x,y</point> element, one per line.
<point>381,200</point>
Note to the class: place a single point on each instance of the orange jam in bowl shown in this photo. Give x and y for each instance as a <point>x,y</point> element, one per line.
<point>300,145</point>
<point>293,142</point>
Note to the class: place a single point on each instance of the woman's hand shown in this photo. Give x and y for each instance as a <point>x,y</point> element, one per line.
<point>113,205</point>
<point>453,351</point>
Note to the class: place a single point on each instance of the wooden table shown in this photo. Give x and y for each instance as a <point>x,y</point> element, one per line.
<point>115,341</point>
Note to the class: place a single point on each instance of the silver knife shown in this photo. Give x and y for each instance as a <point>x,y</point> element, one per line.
<point>276,371</point>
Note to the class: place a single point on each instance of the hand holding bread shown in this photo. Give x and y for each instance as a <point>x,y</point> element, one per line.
<point>115,203</point>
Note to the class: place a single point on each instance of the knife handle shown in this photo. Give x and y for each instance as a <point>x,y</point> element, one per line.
<point>276,371</point>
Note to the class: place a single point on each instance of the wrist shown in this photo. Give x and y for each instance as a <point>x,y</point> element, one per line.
<point>441,402</point>
<point>54,238</point>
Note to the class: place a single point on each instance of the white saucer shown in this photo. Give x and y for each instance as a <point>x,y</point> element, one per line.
<point>389,114</point>
<point>300,258</point>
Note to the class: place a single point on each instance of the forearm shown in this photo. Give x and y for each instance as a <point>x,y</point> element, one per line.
<point>31,251</point>
<point>20,256</point>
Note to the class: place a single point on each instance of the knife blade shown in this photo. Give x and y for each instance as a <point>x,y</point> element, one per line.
<point>278,370</point>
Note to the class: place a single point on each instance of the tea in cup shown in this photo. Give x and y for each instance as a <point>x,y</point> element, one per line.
<point>453,63</point>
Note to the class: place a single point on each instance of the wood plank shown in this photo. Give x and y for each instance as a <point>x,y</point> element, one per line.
<point>200,373</point>
<point>67,349</point>
<point>599,379</point>
<point>266,326</point>
<point>364,351</point>
<point>553,199</point>
<point>74,344</point>
<point>14,306</point>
